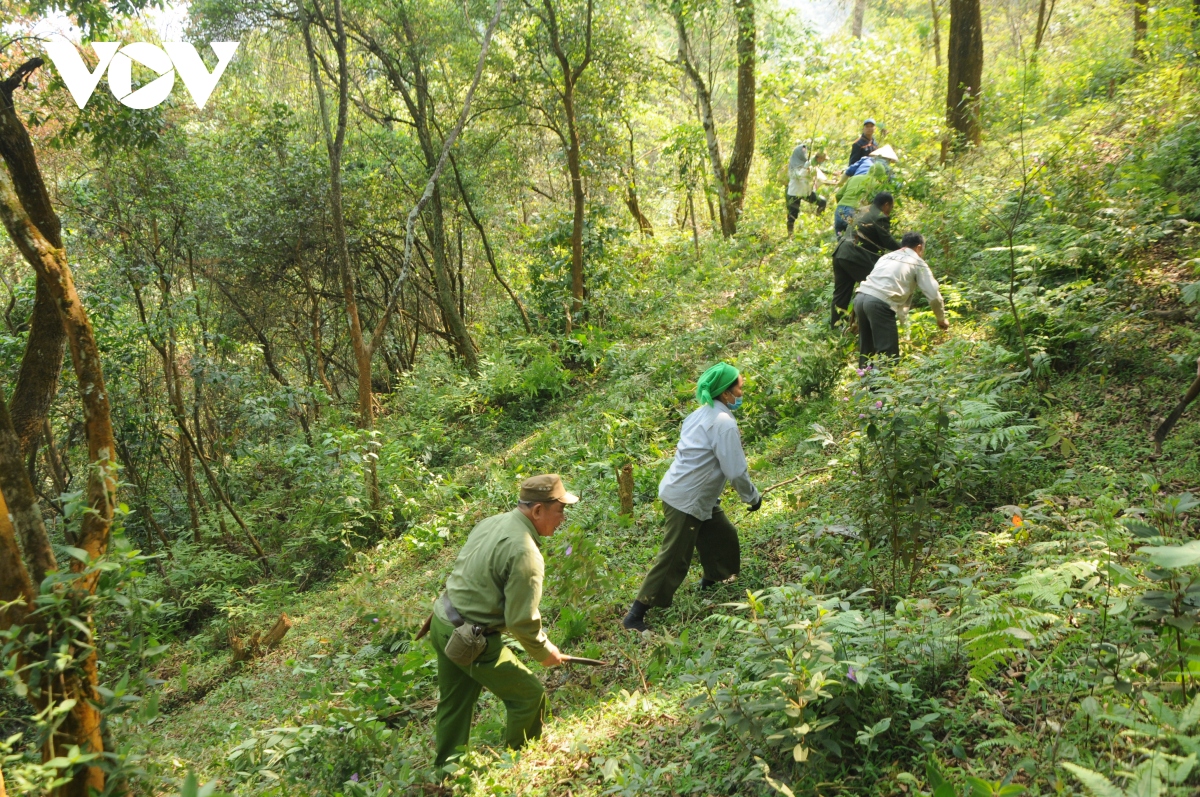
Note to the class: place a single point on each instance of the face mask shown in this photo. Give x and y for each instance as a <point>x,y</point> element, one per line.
<point>737,402</point>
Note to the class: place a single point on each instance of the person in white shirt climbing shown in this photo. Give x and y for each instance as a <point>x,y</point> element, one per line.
<point>709,454</point>
<point>885,296</point>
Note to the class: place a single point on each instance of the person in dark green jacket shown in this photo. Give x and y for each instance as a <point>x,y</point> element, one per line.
<point>869,236</point>
<point>496,584</point>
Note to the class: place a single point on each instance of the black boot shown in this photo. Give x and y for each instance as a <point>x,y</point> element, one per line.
<point>708,583</point>
<point>634,621</point>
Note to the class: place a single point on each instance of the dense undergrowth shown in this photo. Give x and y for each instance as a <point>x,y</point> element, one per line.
<point>984,580</point>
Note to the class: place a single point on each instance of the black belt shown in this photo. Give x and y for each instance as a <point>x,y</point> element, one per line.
<point>456,619</point>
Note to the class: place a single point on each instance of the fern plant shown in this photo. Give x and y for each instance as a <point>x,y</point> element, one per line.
<point>1005,626</point>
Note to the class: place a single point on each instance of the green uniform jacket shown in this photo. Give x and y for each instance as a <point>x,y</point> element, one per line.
<point>497,580</point>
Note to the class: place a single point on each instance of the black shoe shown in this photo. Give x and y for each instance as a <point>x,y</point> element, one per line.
<point>706,585</point>
<point>632,622</point>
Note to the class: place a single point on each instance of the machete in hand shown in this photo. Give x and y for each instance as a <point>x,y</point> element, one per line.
<point>588,662</point>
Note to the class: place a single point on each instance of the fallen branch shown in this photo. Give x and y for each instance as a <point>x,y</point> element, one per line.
<point>795,478</point>
<point>1164,428</point>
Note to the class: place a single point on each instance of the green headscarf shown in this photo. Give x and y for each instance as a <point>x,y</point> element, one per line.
<point>714,382</point>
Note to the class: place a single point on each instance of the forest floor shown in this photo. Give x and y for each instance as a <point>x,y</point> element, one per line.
<point>628,728</point>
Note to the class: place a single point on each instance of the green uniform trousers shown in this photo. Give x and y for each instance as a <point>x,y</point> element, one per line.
<point>715,538</point>
<point>502,673</point>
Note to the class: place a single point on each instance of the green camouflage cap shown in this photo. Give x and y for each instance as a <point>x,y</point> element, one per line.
<point>546,487</point>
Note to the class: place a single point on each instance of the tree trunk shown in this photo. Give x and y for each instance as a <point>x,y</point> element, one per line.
<point>487,248</point>
<point>577,199</point>
<point>444,283</point>
<point>728,223</point>
<point>23,510</point>
<point>80,725</point>
<point>964,73</point>
<point>53,460</point>
<point>937,33</point>
<point>860,11</point>
<point>1045,11</point>
<point>335,138</point>
<point>731,180</point>
<point>1140,26</point>
<point>570,77</point>
<point>37,380</point>
<point>743,139</point>
<point>192,489</point>
<point>695,231</point>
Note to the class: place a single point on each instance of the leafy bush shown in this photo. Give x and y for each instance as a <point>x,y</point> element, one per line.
<point>923,447</point>
<point>813,677</point>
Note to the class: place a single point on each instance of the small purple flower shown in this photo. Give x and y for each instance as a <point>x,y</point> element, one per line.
<point>878,405</point>
<point>861,371</point>
<point>861,415</point>
<point>851,675</point>
<point>569,549</point>
<point>374,619</point>
<point>354,777</point>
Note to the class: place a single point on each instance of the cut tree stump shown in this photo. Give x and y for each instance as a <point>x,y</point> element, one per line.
<point>254,647</point>
<point>625,488</point>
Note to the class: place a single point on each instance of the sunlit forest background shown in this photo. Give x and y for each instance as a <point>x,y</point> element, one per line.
<point>265,363</point>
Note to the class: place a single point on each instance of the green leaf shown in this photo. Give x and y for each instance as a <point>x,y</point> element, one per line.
<point>77,553</point>
<point>1096,783</point>
<point>979,787</point>
<point>1189,716</point>
<point>933,774</point>
<point>1173,557</point>
<point>190,786</point>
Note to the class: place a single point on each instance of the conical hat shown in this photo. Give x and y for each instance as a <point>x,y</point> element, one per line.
<point>886,152</point>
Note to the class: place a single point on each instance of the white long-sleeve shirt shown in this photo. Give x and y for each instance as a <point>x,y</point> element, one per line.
<point>708,455</point>
<point>895,279</point>
<point>805,180</point>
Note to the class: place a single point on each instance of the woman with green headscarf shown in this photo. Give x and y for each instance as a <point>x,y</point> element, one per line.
<point>709,454</point>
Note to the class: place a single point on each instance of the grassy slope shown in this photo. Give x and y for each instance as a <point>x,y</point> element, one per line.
<point>748,302</point>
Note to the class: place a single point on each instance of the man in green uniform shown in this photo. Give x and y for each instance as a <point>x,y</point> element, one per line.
<point>496,584</point>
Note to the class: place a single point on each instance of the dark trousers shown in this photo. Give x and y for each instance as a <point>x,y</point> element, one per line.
<point>877,331</point>
<point>847,272</point>
<point>716,539</point>
<point>793,206</point>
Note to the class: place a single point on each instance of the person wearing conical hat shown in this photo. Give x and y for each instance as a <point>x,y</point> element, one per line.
<point>708,456</point>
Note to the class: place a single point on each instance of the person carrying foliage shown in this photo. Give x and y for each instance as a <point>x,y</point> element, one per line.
<point>886,294</point>
<point>709,454</point>
<point>496,585</point>
<point>856,192</point>
<point>856,254</point>
<point>804,177</point>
